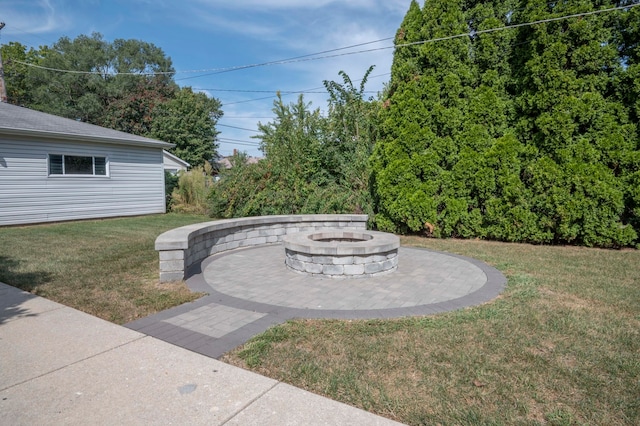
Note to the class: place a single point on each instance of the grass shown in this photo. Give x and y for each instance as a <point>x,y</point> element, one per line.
<point>561,346</point>
<point>107,268</point>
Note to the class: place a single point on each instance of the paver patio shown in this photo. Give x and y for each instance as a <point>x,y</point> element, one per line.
<point>250,290</point>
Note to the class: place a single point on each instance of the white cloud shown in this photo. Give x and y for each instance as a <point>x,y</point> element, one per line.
<point>261,5</point>
<point>41,17</point>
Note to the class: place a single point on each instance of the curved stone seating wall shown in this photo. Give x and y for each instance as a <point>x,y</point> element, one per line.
<point>184,247</point>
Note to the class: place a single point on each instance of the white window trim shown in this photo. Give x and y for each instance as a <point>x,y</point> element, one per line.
<point>93,159</point>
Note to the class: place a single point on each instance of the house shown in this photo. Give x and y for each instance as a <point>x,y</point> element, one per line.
<point>225,162</point>
<point>173,164</point>
<point>55,169</point>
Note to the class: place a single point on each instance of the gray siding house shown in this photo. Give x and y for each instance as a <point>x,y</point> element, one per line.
<point>174,164</point>
<point>55,169</point>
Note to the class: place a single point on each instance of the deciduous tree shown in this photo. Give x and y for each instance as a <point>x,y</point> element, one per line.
<point>188,120</point>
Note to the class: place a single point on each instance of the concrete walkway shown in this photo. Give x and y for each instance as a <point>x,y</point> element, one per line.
<point>62,366</point>
<point>59,366</point>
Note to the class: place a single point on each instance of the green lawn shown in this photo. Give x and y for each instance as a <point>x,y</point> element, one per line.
<point>560,346</point>
<point>107,268</point>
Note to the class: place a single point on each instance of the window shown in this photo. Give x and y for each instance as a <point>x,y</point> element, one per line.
<point>77,165</point>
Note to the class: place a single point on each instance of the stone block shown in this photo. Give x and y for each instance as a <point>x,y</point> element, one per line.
<point>267,232</point>
<point>324,260</point>
<point>295,264</point>
<point>304,257</point>
<point>171,265</point>
<point>353,269</point>
<point>359,260</point>
<point>372,268</point>
<point>172,255</point>
<point>253,234</point>
<point>312,268</point>
<point>278,231</point>
<point>272,239</point>
<point>198,247</point>
<point>332,269</point>
<point>239,236</point>
<point>171,276</point>
<point>343,260</point>
<point>254,241</point>
<point>389,264</point>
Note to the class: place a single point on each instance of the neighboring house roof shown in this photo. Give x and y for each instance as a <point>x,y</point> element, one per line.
<point>225,163</point>
<point>175,159</point>
<point>15,120</point>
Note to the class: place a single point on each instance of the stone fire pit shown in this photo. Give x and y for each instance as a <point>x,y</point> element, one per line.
<point>341,253</point>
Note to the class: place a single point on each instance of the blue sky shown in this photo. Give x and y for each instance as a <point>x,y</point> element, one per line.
<point>215,34</point>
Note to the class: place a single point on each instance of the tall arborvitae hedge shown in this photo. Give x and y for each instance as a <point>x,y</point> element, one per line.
<point>523,134</point>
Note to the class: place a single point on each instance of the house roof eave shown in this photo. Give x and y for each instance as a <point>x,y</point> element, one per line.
<point>84,138</point>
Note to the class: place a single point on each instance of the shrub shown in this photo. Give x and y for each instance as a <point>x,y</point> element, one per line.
<point>190,195</point>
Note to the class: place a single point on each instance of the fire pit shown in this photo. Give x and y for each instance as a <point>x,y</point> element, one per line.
<point>341,254</point>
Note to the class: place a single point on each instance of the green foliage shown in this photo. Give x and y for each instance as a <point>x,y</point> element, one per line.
<point>188,121</point>
<point>313,164</point>
<point>190,195</point>
<point>15,73</point>
<point>526,134</point>
<point>136,101</point>
<point>170,183</point>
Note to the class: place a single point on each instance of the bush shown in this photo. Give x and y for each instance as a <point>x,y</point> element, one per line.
<point>170,182</point>
<point>190,195</point>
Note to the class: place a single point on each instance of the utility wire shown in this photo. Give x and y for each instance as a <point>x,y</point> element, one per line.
<point>239,128</point>
<point>239,141</point>
<point>314,57</point>
<point>299,92</point>
<point>284,92</point>
<point>244,117</point>
<point>213,70</point>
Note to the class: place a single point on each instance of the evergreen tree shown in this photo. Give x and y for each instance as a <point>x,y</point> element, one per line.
<point>523,134</point>
<point>570,114</point>
<point>445,108</point>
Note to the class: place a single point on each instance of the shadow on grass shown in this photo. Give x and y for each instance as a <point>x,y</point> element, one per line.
<point>10,299</point>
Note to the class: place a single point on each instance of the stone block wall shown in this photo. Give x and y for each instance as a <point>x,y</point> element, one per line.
<point>181,248</point>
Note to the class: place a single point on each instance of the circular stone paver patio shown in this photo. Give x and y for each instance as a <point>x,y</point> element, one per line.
<point>251,289</point>
<point>422,278</point>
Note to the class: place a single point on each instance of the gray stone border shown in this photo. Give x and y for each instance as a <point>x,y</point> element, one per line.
<point>181,248</point>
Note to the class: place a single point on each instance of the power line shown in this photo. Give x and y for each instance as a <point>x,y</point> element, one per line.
<point>238,141</point>
<point>284,92</point>
<point>283,61</point>
<point>300,92</point>
<point>314,57</point>
<point>214,70</point>
<point>247,100</point>
<point>245,117</point>
<point>239,128</point>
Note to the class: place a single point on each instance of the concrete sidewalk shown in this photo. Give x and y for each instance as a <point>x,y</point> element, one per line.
<point>61,366</point>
